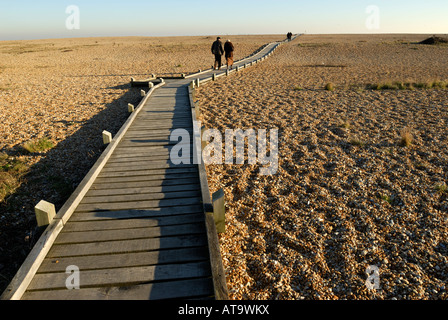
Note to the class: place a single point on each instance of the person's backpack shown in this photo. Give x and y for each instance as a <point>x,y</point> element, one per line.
<point>216,47</point>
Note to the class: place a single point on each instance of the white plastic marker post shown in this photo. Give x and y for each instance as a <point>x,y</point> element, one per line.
<point>45,212</point>
<point>131,108</point>
<point>107,137</point>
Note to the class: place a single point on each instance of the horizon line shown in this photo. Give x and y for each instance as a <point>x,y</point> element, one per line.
<point>212,35</point>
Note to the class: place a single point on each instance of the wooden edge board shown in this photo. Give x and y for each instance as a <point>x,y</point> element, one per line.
<point>24,275</point>
<point>218,273</point>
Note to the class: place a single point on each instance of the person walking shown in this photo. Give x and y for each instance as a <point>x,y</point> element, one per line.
<point>218,51</point>
<point>228,49</point>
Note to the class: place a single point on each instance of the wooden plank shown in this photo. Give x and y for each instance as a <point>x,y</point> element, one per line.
<point>104,184</point>
<point>123,276</point>
<point>88,207</point>
<point>167,143</point>
<point>151,137</point>
<point>154,174</point>
<point>128,234</point>
<point>127,246</point>
<point>152,180</point>
<point>96,190</point>
<point>155,291</point>
<point>73,226</point>
<point>132,158</point>
<point>166,116</point>
<point>145,165</point>
<point>148,150</point>
<point>135,214</point>
<point>125,260</point>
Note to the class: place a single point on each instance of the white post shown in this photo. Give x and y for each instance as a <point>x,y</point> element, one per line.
<point>107,137</point>
<point>198,82</point>
<point>214,77</point>
<point>131,108</point>
<point>192,84</point>
<point>219,211</point>
<point>151,85</point>
<point>45,212</point>
<point>142,93</point>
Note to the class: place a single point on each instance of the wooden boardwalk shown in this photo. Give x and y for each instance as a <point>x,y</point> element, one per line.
<point>142,227</point>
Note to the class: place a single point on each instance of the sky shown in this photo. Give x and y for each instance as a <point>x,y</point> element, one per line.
<point>26,19</point>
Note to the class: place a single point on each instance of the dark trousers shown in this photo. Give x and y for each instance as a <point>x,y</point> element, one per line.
<point>218,61</point>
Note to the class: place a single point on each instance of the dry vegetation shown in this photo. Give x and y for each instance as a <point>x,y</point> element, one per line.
<point>56,97</point>
<point>362,173</point>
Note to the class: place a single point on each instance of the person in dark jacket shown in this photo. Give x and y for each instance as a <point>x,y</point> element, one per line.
<point>218,51</point>
<point>228,49</point>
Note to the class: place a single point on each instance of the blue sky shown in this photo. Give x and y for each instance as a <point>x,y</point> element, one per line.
<point>25,19</point>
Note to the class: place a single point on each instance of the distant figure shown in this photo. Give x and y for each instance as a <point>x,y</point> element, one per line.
<point>228,49</point>
<point>289,36</point>
<point>218,51</point>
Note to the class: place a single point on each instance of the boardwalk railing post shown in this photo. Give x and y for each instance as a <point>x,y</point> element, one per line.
<point>45,212</point>
<point>214,77</point>
<point>131,108</point>
<point>219,211</point>
<point>198,82</point>
<point>151,85</point>
<point>142,93</point>
<point>107,137</point>
<point>203,143</point>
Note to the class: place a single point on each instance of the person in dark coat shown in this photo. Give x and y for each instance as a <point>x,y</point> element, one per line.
<point>218,51</point>
<point>228,49</point>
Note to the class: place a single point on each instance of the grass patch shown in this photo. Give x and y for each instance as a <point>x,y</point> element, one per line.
<point>298,88</point>
<point>325,66</point>
<point>397,85</point>
<point>313,45</point>
<point>356,142</point>
<point>11,172</point>
<point>40,145</point>
<point>385,197</point>
<point>345,124</point>
<point>329,87</point>
<point>441,188</point>
<point>406,137</point>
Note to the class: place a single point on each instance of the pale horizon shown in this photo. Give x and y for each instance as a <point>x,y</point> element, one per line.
<point>28,20</point>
